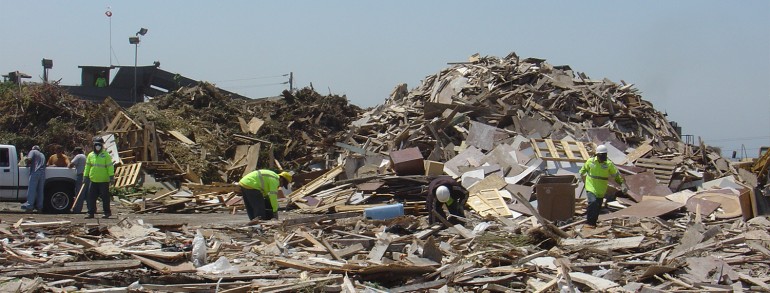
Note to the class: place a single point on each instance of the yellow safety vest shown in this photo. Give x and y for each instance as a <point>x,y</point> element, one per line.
<point>597,175</point>
<point>99,167</point>
<point>265,181</point>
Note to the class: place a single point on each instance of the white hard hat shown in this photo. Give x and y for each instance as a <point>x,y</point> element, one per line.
<point>601,149</point>
<point>442,193</point>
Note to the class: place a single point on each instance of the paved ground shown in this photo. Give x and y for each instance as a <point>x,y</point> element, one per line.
<point>10,212</point>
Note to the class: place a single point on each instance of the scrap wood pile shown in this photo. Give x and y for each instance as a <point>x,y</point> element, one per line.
<point>501,125</point>
<point>344,252</point>
<point>200,135</point>
<point>46,115</point>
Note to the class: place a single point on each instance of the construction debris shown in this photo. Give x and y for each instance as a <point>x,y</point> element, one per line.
<point>514,132</point>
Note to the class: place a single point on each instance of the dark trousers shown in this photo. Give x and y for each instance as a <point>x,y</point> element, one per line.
<point>101,190</point>
<point>257,205</point>
<point>594,207</point>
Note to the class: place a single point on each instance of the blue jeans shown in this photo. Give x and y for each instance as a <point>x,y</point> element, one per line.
<point>594,208</point>
<point>35,191</point>
<point>78,207</point>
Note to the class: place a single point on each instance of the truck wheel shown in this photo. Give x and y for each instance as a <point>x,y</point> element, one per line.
<point>58,198</point>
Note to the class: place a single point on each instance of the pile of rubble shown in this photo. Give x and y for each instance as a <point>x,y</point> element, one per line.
<point>514,132</point>
<point>344,252</point>
<point>46,115</point>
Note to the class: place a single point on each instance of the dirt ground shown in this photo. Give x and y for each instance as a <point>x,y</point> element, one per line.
<point>10,212</point>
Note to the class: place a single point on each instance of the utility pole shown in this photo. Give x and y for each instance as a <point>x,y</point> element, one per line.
<point>291,81</point>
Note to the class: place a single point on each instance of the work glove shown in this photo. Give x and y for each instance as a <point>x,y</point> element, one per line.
<point>624,189</point>
<point>112,180</point>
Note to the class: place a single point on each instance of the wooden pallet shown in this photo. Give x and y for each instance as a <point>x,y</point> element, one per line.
<point>489,202</point>
<point>663,169</point>
<point>127,175</point>
<point>560,150</point>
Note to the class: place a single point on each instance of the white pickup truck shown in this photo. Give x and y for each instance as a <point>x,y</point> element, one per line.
<point>59,182</point>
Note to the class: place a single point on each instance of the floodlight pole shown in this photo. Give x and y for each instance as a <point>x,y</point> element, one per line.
<point>136,54</point>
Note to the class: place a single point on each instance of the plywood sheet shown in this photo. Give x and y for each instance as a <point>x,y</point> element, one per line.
<point>645,209</point>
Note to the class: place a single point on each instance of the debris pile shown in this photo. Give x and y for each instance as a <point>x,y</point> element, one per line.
<point>46,115</point>
<point>212,138</point>
<point>345,252</point>
<point>513,132</point>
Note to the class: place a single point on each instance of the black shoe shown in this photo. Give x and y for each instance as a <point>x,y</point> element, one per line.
<point>106,217</point>
<point>90,216</point>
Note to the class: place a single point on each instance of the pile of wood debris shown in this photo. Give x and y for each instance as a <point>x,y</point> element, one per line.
<point>502,127</point>
<point>344,252</point>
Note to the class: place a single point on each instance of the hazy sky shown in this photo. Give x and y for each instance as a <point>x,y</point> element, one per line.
<point>705,63</point>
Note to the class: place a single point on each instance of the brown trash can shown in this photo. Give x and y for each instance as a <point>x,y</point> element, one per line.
<point>556,197</point>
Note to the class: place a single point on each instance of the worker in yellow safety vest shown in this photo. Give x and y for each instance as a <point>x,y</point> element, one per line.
<point>100,171</point>
<point>260,192</point>
<point>596,173</point>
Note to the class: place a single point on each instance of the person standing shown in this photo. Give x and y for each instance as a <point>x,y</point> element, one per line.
<point>59,159</point>
<point>445,191</point>
<point>35,193</point>
<point>260,192</point>
<point>596,173</point>
<point>79,163</point>
<point>100,171</point>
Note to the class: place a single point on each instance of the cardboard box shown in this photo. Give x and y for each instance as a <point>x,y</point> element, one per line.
<point>556,197</point>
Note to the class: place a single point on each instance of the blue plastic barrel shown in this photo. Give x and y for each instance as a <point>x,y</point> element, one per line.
<point>384,212</point>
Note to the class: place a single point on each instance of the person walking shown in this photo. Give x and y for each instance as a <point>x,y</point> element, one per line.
<point>100,171</point>
<point>35,193</point>
<point>596,173</point>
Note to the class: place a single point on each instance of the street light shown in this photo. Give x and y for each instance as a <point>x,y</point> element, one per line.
<point>135,41</point>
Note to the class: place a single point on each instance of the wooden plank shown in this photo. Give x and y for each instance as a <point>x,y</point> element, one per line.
<point>164,255</point>
<point>583,151</point>
<point>350,250</point>
<point>255,124</point>
<point>181,137</point>
<point>314,219</point>
<point>316,183</point>
<point>493,181</point>
<point>183,267</point>
<point>596,283</point>
<point>243,124</point>
<point>77,267</point>
<point>639,152</point>
<point>419,287</point>
<point>604,244</point>
<point>536,147</point>
<point>379,249</point>
<point>44,224</point>
<point>552,149</point>
<point>568,149</point>
<point>331,250</point>
<point>251,159</point>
